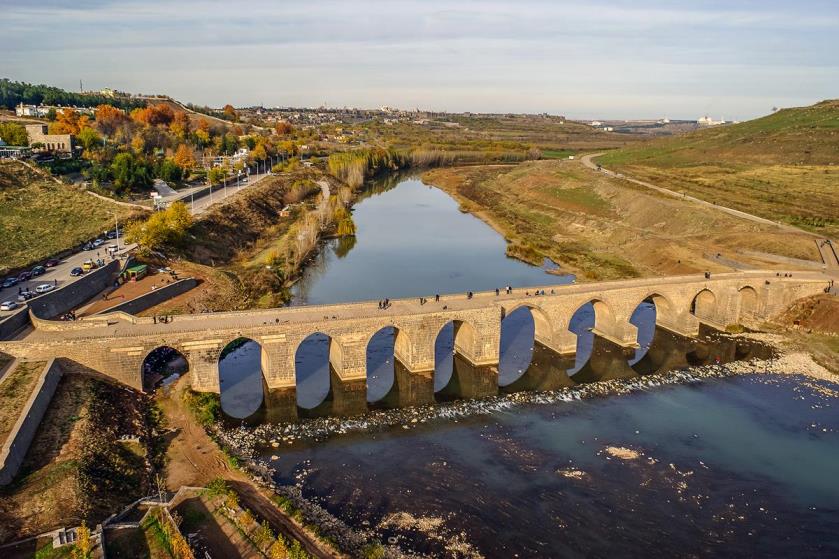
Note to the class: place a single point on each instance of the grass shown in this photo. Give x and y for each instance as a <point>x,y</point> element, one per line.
<point>39,218</point>
<point>782,166</point>
<point>204,406</point>
<point>15,390</point>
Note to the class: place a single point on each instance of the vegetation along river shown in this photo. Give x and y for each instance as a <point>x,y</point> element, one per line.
<point>729,466</point>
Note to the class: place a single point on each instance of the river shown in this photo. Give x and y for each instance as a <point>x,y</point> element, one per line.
<point>725,467</point>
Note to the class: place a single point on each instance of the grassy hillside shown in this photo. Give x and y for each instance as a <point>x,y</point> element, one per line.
<point>784,166</point>
<point>39,217</point>
<point>601,228</point>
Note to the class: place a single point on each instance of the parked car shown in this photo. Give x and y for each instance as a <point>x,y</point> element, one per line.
<point>76,271</point>
<point>9,282</point>
<point>38,271</point>
<point>98,243</point>
<point>8,306</point>
<point>23,276</point>
<point>44,288</point>
<point>25,295</point>
<point>112,234</point>
<point>52,263</point>
<point>88,265</point>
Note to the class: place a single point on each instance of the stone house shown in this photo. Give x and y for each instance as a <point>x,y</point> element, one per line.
<point>39,133</point>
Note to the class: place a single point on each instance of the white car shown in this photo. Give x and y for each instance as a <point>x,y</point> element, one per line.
<point>8,306</point>
<point>98,243</point>
<point>44,288</point>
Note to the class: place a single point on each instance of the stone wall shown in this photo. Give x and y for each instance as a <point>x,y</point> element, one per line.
<point>17,443</point>
<point>59,301</point>
<point>13,323</point>
<point>155,297</point>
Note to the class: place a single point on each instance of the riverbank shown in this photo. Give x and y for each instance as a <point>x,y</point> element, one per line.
<point>599,228</point>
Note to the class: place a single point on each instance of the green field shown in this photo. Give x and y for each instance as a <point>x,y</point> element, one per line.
<point>39,218</point>
<point>784,166</point>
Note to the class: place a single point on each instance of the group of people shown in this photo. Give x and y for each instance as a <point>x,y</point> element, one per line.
<point>71,315</point>
<point>383,304</point>
<point>165,319</point>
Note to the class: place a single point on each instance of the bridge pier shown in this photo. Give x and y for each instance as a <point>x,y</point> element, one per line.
<point>203,356</point>
<point>469,381</point>
<point>410,388</point>
<point>548,370</point>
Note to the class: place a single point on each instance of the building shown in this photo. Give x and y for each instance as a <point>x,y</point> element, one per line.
<point>13,152</point>
<point>41,111</point>
<point>39,134</point>
<point>708,121</point>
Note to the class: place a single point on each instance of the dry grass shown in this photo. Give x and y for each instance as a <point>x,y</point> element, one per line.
<point>39,218</point>
<point>15,389</point>
<point>600,228</point>
<point>782,166</point>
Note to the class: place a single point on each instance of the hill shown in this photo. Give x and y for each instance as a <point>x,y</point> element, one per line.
<point>40,218</point>
<point>782,166</point>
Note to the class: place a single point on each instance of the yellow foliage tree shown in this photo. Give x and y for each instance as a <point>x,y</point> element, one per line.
<point>278,550</point>
<point>164,228</point>
<point>184,157</point>
<point>84,546</point>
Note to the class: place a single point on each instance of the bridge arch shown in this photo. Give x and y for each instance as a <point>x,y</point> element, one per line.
<point>748,302</point>
<point>317,360</point>
<point>543,330</point>
<point>454,337</point>
<point>594,314</point>
<point>383,349</point>
<point>522,326</point>
<point>241,377</point>
<point>161,362</point>
<point>703,304</point>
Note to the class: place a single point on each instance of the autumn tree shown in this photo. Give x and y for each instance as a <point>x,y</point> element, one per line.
<point>69,121</point>
<point>83,547</point>
<point>160,114</point>
<point>259,153</point>
<point>109,119</point>
<point>180,125</point>
<point>230,113</point>
<point>184,157</point>
<point>216,175</point>
<point>163,228</point>
<point>283,128</point>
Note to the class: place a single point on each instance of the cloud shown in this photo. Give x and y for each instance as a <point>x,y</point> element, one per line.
<point>520,55</point>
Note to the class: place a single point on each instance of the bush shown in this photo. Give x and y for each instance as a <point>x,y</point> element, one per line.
<point>165,228</point>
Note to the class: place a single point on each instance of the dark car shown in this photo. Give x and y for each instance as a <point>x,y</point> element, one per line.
<point>9,282</point>
<point>38,271</point>
<point>23,276</point>
<point>52,263</point>
<point>112,234</point>
<point>76,271</point>
<point>88,246</point>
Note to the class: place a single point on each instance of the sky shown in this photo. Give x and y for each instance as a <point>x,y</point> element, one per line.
<point>610,59</point>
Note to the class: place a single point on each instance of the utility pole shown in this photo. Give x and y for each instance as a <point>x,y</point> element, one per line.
<point>116,221</point>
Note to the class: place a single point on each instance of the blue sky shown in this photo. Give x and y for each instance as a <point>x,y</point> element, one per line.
<point>606,58</point>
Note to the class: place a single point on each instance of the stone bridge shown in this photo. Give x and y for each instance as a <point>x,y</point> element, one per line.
<point>116,344</point>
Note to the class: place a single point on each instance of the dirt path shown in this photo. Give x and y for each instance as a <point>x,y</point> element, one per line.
<point>194,459</point>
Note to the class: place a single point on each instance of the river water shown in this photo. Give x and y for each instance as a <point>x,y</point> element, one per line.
<point>740,466</point>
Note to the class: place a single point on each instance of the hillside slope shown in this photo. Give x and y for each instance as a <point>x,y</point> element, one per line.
<point>784,166</point>
<point>39,218</point>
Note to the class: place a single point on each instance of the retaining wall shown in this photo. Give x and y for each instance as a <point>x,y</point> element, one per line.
<point>155,297</point>
<point>54,303</point>
<point>17,443</point>
<point>13,323</point>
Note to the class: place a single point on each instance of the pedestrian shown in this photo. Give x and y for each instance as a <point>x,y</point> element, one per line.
<point>496,292</point>
<point>553,292</point>
<point>155,319</point>
<point>527,293</point>
<point>56,282</point>
<point>437,298</point>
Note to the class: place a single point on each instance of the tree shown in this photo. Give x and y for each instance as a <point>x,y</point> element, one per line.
<point>51,114</point>
<point>68,121</point>
<point>184,157</point>
<point>278,550</point>
<point>259,153</point>
<point>169,171</point>
<point>130,172</point>
<point>180,124</point>
<point>162,229</point>
<point>282,128</point>
<point>202,138</point>
<point>88,138</point>
<point>109,119</point>
<point>230,113</point>
<point>153,115</point>
<point>13,134</point>
<point>83,547</point>
<point>216,175</point>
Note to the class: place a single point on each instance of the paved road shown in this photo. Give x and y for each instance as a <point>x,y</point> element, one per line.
<point>218,193</point>
<point>60,273</point>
